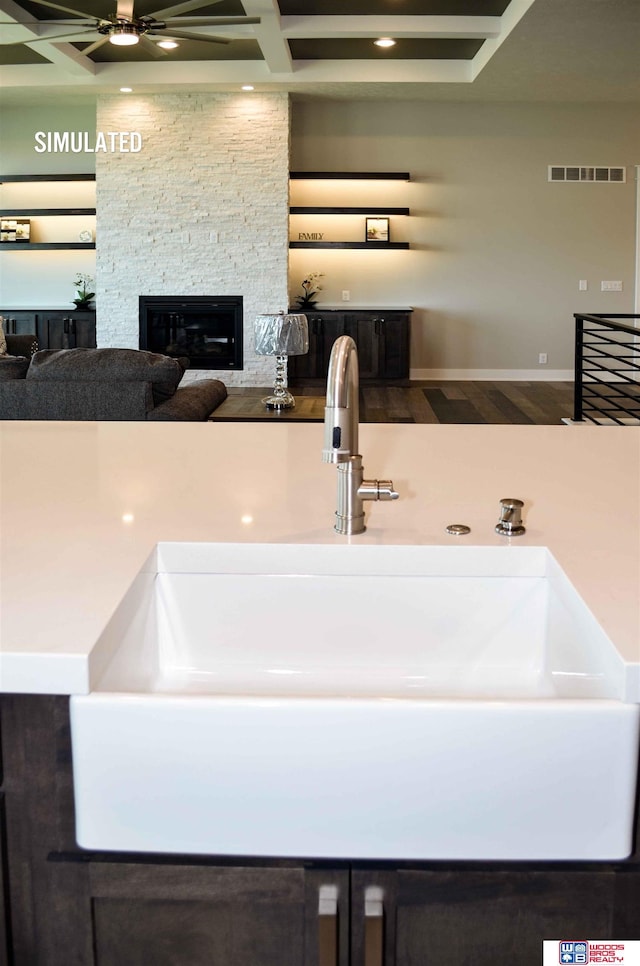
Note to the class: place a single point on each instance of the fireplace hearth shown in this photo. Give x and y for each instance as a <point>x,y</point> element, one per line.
<point>206,329</point>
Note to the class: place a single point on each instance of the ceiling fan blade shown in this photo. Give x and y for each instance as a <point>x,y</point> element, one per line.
<point>185,35</point>
<point>212,21</point>
<point>77,13</point>
<point>152,48</point>
<point>90,49</point>
<point>124,10</point>
<point>56,38</point>
<point>180,8</point>
<point>47,23</point>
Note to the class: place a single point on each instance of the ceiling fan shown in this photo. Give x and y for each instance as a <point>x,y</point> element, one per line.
<point>124,29</point>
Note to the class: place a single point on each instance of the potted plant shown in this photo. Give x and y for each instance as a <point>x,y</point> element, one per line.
<point>82,283</point>
<point>308,301</point>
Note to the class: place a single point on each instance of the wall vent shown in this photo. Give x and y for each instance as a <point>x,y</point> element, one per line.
<point>585,172</point>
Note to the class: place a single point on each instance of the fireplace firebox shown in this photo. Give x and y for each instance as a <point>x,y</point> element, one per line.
<point>206,329</point>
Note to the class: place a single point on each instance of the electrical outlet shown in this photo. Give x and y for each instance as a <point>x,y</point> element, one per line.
<point>213,237</point>
<point>542,359</point>
<point>582,285</point>
<point>346,295</point>
<point>610,286</point>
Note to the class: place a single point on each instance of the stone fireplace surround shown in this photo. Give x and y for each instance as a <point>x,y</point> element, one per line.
<point>202,209</point>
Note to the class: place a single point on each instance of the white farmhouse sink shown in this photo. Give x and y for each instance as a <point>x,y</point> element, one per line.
<point>356,702</point>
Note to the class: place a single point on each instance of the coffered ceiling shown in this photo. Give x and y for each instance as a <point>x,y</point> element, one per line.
<point>444,49</point>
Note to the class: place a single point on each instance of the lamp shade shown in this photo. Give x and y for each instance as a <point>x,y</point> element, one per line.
<point>281,335</point>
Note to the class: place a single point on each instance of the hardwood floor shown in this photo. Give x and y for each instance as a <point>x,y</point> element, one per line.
<point>514,403</point>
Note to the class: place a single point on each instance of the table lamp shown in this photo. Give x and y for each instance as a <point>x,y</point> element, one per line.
<point>281,336</point>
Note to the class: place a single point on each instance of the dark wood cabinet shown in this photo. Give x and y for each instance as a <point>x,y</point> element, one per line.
<point>69,907</point>
<point>67,330</point>
<point>20,323</point>
<point>479,917</point>
<point>382,339</point>
<point>54,328</point>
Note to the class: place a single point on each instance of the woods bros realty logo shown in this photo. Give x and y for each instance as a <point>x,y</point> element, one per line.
<point>81,142</point>
<point>579,951</point>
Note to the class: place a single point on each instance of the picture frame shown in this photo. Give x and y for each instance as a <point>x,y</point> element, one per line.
<point>15,229</point>
<point>376,230</point>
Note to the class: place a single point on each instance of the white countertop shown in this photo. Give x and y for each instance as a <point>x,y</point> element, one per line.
<point>82,505</point>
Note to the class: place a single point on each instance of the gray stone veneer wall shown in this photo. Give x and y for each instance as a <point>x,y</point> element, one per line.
<point>202,209</point>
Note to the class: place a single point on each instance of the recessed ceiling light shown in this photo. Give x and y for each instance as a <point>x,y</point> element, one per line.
<point>168,44</point>
<point>248,87</point>
<point>385,42</point>
<point>126,90</point>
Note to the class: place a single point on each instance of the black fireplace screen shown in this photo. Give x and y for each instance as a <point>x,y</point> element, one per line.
<point>206,329</point>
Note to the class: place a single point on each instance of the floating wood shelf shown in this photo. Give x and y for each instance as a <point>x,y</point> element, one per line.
<point>21,212</point>
<point>43,246</point>
<point>350,176</point>
<point>46,177</point>
<point>370,246</point>
<point>305,210</point>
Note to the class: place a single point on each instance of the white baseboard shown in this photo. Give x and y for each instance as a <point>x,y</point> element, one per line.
<point>495,375</point>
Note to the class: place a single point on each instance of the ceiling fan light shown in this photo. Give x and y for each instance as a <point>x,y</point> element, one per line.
<point>168,44</point>
<point>385,42</point>
<point>123,35</point>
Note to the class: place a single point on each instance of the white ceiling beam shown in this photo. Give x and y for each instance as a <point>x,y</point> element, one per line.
<point>230,75</point>
<point>391,25</point>
<point>66,56</point>
<point>510,19</point>
<point>268,33</point>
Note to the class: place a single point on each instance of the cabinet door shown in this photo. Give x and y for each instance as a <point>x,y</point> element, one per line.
<point>364,329</point>
<point>171,915</point>
<point>333,325</point>
<point>82,330</point>
<point>53,330</point>
<point>4,938</point>
<point>19,323</point>
<point>393,345</point>
<point>309,365</point>
<point>470,917</point>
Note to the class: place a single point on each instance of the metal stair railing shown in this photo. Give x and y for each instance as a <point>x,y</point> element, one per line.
<point>607,370</point>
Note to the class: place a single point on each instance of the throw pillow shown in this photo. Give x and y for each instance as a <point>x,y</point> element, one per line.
<point>13,367</point>
<point>109,365</point>
<point>3,341</point>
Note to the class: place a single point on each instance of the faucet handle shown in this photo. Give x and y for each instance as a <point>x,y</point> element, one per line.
<point>510,522</point>
<point>377,490</point>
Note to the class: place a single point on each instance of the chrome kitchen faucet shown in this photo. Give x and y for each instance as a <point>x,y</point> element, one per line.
<point>341,422</point>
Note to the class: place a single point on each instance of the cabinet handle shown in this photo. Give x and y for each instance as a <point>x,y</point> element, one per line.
<point>328,925</point>
<point>373,926</point>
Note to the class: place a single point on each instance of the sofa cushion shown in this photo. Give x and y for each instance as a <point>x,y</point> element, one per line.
<point>13,367</point>
<point>109,365</point>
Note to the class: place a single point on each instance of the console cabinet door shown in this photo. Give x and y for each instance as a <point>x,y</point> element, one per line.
<point>19,323</point>
<point>66,330</point>
<point>309,365</point>
<point>475,917</point>
<point>363,328</point>
<point>171,915</point>
<point>393,345</point>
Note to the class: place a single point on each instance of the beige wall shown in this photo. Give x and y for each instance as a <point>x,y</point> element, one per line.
<point>496,251</point>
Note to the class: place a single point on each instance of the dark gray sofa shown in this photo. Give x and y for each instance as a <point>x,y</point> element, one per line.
<point>109,384</point>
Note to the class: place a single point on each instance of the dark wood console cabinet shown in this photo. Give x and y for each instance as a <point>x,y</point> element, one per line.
<point>382,338</point>
<point>67,907</point>
<point>54,328</point>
